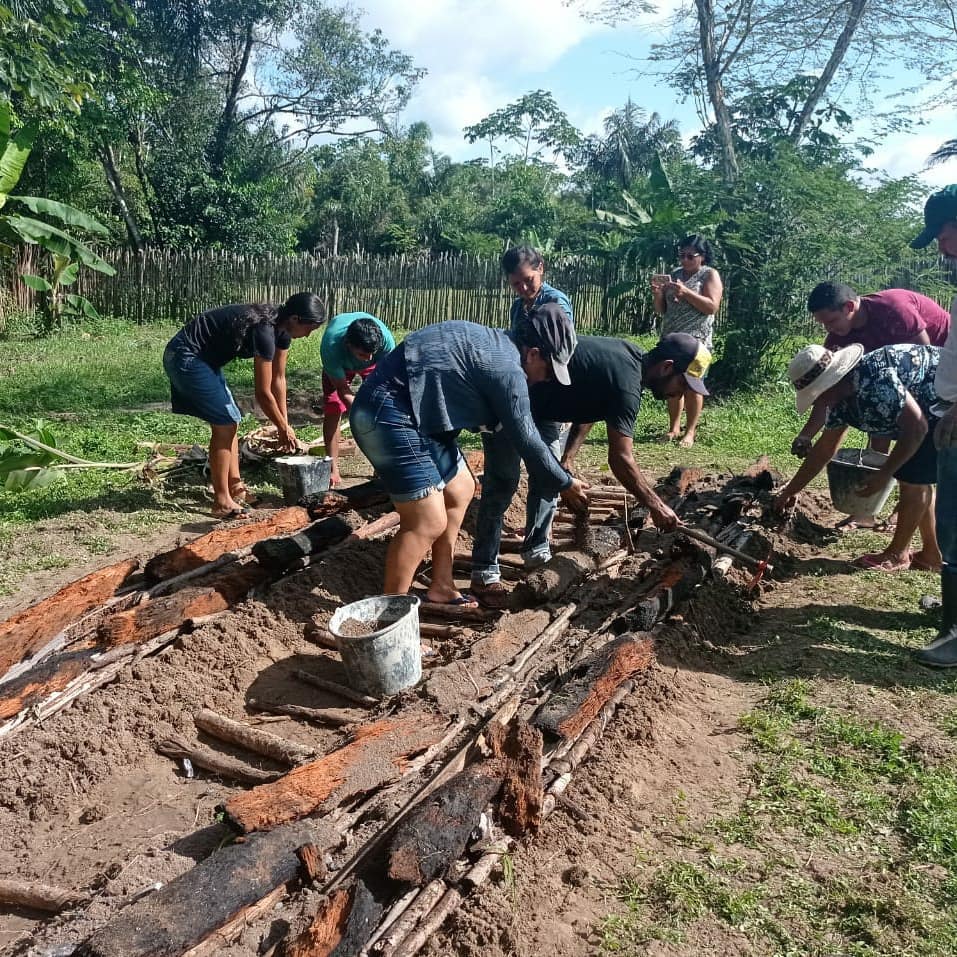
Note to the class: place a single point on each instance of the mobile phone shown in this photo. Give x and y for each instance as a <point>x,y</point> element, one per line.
<point>661,277</point>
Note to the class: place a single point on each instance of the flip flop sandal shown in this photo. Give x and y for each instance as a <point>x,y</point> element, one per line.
<point>875,563</point>
<point>463,600</point>
<point>231,515</point>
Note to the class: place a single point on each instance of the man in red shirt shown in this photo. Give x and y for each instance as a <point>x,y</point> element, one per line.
<point>883,319</point>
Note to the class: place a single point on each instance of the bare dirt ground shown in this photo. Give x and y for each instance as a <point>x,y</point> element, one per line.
<point>85,800</point>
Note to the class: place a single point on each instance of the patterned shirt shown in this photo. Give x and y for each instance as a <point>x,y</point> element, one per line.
<point>682,316</point>
<point>882,381</point>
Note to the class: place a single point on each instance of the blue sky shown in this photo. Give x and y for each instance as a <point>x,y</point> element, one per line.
<point>482,54</point>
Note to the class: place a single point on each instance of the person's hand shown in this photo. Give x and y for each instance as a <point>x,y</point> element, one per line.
<point>874,484</point>
<point>663,517</point>
<point>784,501</point>
<point>575,498</point>
<point>801,446</point>
<point>287,439</point>
<point>678,288</point>
<point>945,434</point>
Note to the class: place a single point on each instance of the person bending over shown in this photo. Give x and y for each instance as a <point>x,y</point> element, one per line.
<point>194,359</point>
<point>406,416</point>
<point>351,346</point>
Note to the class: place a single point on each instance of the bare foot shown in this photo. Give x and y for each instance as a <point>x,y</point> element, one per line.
<point>926,561</point>
<point>687,441</point>
<point>667,437</point>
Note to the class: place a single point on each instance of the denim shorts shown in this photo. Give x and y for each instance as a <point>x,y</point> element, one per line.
<point>411,465</point>
<point>196,388</point>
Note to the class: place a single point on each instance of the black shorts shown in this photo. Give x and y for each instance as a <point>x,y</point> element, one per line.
<point>921,467</point>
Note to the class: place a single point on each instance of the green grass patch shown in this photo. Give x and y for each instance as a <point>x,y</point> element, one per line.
<point>846,843</point>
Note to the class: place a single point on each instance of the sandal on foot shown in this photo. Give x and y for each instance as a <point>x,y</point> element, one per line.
<point>463,600</point>
<point>244,496</point>
<point>877,563</point>
<point>492,595</point>
<point>229,515</point>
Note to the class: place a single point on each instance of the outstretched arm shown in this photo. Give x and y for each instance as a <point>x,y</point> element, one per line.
<point>621,459</point>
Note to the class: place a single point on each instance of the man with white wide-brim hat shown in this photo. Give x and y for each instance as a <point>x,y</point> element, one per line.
<point>888,392</point>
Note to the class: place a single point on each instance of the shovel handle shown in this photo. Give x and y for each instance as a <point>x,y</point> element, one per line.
<point>706,539</point>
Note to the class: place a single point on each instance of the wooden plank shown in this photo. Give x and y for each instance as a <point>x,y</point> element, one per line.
<point>25,633</point>
<point>433,836</point>
<point>153,617</point>
<point>375,756</point>
<point>219,541</point>
<point>196,904</point>
<point>325,930</point>
<point>588,687</point>
<point>517,749</point>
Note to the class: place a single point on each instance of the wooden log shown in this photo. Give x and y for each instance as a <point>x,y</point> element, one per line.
<point>674,585</point>
<point>429,630</point>
<point>282,551</point>
<point>517,750</point>
<point>586,689</point>
<point>683,479</point>
<point>320,636</point>
<point>236,926</point>
<point>230,538</point>
<point>193,906</point>
<point>25,633</point>
<point>220,591</point>
<point>371,530</point>
<point>434,835</point>
<point>177,747</point>
<point>269,745</point>
<point>367,701</point>
<point>364,495</point>
<point>403,923</point>
<point>37,896</point>
<point>430,924</point>
<point>337,717</point>
<point>313,863</point>
<point>325,930</point>
<point>375,756</point>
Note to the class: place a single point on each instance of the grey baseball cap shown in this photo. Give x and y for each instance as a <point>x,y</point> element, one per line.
<point>549,329</point>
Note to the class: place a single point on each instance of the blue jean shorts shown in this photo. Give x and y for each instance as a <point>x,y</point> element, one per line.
<point>196,388</point>
<point>411,465</point>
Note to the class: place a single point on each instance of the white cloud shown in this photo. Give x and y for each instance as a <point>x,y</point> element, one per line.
<point>480,55</point>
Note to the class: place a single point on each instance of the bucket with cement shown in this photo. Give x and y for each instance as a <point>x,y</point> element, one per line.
<point>303,475</point>
<point>846,471</point>
<point>380,643</point>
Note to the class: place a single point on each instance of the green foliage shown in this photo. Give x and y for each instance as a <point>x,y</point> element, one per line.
<point>23,467</point>
<point>65,251</point>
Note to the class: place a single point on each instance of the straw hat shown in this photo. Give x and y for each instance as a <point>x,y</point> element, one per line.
<point>815,369</point>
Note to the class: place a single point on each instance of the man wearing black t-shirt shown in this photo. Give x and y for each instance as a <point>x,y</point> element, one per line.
<point>607,376</point>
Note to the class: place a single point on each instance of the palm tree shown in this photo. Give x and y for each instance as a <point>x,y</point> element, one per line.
<point>946,151</point>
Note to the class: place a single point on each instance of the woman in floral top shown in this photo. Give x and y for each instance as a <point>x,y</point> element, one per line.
<point>889,392</point>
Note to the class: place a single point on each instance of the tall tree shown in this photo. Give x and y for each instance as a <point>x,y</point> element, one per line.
<point>716,51</point>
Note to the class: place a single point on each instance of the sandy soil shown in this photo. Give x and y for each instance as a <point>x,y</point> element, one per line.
<point>85,800</point>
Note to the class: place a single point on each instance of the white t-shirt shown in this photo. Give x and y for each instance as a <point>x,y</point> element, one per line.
<point>946,380</point>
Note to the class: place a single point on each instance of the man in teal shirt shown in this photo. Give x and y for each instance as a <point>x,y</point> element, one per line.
<point>352,344</point>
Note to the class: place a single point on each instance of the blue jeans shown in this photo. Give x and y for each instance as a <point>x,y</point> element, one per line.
<point>411,465</point>
<point>499,484</point>
<point>946,508</point>
<point>196,388</point>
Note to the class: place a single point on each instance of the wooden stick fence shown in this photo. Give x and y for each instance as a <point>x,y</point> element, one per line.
<point>406,292</point>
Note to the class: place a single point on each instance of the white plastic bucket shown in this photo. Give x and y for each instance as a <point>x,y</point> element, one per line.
<point>848,469</point>
<point>389,659</point>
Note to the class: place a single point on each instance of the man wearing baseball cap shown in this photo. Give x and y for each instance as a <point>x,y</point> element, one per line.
<point>940,223</point>
<point>607,376</point>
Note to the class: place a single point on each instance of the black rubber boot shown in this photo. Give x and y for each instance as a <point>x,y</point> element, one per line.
<point>942,651</point>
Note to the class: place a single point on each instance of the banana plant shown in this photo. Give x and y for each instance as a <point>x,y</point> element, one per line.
<point>67,252</point>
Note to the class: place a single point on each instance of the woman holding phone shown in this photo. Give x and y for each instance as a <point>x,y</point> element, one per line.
<point>688,298</point>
